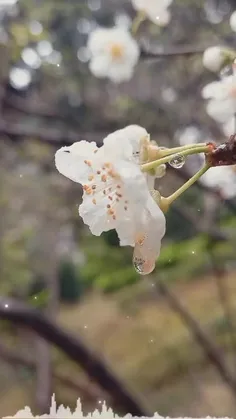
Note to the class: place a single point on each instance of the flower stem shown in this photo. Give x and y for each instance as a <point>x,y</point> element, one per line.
<point>166,202</point>
<point>194,150</point>
<point>139,18</point>
<point>169,151</point>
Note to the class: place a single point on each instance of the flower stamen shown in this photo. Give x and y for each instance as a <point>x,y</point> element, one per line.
<point>117,51</point>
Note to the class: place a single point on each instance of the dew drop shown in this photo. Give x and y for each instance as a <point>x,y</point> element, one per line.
<point>143,266</point>
<point>226,71</point>
<point>178,161</point>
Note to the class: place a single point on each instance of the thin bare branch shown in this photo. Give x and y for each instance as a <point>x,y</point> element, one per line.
<point>208,347</point>
<point>74,347</point>
<point>153,53</point>
<point>88,391</point>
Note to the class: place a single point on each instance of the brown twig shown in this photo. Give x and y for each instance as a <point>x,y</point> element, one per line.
<point>22,314</point>
<point>87,390</point>
<point>153,53</point>
<point>224,154</point>
<point>211,351</point>
<point>52,136</point>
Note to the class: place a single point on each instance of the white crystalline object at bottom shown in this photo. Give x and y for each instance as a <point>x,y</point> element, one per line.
<point>65,412</point>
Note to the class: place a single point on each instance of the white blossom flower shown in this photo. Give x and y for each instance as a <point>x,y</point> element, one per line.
<point>156,10</point>
<point>233,21</point>
<point>116,191</point>
<point>113,53</point>
<point>188,135</point>
<point>222,98</point>
<point>222,178</point>
<point>213,58</point>
<point>229,127</point>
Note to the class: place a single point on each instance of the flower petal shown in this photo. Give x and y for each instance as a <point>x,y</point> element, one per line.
<point>70,160</point>
<point>95,216</point>
<point>125,142</point>
<point>120,72</point>
<point>213,90</point>
<point>220,110</point>
<point>99,65</point>
<point>149,234</point>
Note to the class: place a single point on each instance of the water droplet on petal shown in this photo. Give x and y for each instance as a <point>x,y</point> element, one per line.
<point>178,161</point>
<point>226,71</point>
<point>143,265</point>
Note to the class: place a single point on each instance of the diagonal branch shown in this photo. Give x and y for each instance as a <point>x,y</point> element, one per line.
<point>20,313</point>
<point>153,53</point>
<point>211,351</point>
<point>89,391</point>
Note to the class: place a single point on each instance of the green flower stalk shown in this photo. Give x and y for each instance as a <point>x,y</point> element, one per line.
<point>172,152</point>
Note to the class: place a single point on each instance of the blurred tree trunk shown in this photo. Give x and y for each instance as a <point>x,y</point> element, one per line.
<point>44,367</point>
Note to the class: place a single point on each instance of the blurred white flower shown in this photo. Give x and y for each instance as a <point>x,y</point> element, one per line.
<point>213,58</point>
<point>222,178</point>
<point>116,191</point>
<point>114,53</point>
<point>222,98</point>
<point>20,78</point>
<point>44,48</point>
<point>35,27</point>
<point>232,21</point>
<point>188,135</point>
<point>156,10</point>
<point>229,127</point>
<point>31,58</point>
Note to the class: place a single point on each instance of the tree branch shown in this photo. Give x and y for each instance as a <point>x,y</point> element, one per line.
<point>211,351</point>
<point>22,314</point>
<point>53,136</point>
<point>88,391</point>
<point>153,53</point>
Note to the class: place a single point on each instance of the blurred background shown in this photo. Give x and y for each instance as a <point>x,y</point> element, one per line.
<point>75,318</point>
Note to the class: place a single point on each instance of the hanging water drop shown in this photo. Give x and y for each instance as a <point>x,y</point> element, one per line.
<point>143,266</point>
<point>226,71</point>
<point>177,161</point>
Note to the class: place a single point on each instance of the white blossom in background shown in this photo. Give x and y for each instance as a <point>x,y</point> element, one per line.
<point>223,178</point>
<point>233,21</point>
<point>213,58</point>
<point>116,191</point>
<point>221,96</point>
<point>188,135</point>
<point>229,127</point>
<point>113,53</point>
<point>155,10</point>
